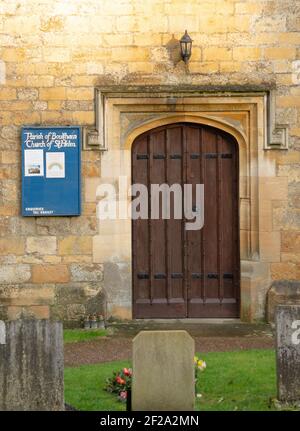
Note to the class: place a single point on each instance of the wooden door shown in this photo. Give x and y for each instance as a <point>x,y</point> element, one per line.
<point>180,273</point>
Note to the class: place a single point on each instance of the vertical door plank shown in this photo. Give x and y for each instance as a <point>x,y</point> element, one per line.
<point>175,226</point>
<point>140,234</point>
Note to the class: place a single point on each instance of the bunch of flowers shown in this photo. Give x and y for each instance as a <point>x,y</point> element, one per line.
<point>200,366</point>
<point>120,383</point>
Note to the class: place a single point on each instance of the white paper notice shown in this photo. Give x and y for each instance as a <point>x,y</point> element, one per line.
<point>55,165</point>
<point>34,163</point>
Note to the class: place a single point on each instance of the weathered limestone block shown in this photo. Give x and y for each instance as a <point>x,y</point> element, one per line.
<point>9,189</point>
<point>31,365</point>
<point>286,218</point>
<point>117,278</point>
<point>26,294</point>
<point>27,94</point>
<point>3,312</point>
<point>53,226</point>
<point>10,133</point>
<point>12,245</point>
<point>84,226</point>
<point>290,241</point>
<point>75,245</point>
<point>285,271</point>
<point>163,371</point>
<point>21,226</point>
<point>70,293</point>
<point>15,312</point>
<point>41,245</point>
<point>294,191</point>
<point>288,352</point>
<point>282,293</point>
<point>50,274</point>
<point>14,274</point>
<point>86,272</point>
<point>255,284</point>
<point>4,225</point>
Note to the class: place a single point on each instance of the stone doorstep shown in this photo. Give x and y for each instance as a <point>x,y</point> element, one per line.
<point>217,321</point>
<point>196,327</point>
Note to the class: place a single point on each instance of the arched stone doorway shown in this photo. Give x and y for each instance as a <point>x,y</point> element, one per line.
<point>122,116</point>
<point>178,273</point>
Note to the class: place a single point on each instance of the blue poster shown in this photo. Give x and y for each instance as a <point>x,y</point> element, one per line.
<point>51,171</point>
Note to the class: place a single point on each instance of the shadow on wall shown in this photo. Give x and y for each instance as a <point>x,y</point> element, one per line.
<point>74,303</point>
<point>97,304</point>
<point>173,49</point>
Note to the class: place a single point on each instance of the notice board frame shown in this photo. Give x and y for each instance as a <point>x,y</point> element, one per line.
<point>63,204</point>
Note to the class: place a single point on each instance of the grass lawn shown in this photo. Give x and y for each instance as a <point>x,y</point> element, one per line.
<point>75,335</point>
<point>243,380</point>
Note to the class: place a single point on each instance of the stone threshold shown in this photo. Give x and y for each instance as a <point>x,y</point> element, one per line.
<point>196,327</point>
<point>218,321</point>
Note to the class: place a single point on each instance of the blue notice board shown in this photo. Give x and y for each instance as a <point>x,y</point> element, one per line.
<point>51,171</point>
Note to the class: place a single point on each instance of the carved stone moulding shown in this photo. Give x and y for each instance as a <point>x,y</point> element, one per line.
<point>137,104</point>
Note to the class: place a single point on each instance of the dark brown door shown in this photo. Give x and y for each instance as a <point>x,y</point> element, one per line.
<point>180,273</point>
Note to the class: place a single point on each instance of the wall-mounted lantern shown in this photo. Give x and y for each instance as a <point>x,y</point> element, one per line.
<point>186,47</point>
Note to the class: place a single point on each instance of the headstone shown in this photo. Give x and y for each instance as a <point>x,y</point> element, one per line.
<point>288,352</point>
<point>31,365</point>
<point>163,371</point>
<point>2,332</point>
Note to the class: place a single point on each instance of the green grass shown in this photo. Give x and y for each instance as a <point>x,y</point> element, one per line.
<point>75,335</point>
<point>84,387</point>
<point>243,380</point>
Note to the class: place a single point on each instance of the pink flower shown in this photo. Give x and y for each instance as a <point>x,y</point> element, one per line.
<point>123,395</point>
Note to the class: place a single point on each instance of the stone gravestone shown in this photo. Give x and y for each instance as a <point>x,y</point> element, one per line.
<point>31,365</point>
<point>163,371</point>
<point>288,352</point>
<point>2,332</point>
